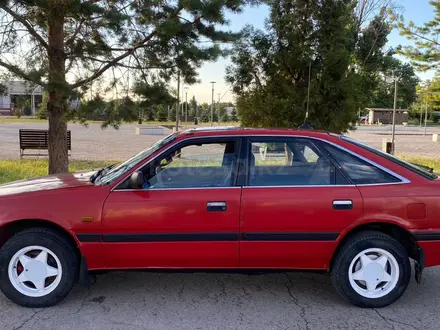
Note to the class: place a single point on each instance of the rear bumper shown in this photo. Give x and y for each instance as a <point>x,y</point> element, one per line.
<point>431,251</point>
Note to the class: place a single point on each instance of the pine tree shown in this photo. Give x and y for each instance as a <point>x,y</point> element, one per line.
<point>205,112</point>
<point>172,113</point>
<point>224,118</point>
<point>193,107</point>
<point>270,70</point>
<point>71,44</point>
<point>161,113</point>
<point>150,113</point>
<point>42,107</point>
<point>425,54</point>
<point>234,116</point>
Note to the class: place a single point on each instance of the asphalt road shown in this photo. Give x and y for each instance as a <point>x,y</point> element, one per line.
<point>138,300</point>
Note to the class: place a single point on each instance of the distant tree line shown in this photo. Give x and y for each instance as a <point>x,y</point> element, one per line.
<point>131,109</point>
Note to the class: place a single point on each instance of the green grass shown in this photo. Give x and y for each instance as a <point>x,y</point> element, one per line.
<point>17,169</point>
<point>34,120</point>
<point>21,120</point>
<point>431,162</point>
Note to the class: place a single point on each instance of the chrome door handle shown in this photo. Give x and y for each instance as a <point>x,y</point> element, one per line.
<point>343,204</point>
<point>216,206</point>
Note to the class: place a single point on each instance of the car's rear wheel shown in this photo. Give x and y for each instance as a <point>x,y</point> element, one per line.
<point>38,268</point>
<point>371,270</point>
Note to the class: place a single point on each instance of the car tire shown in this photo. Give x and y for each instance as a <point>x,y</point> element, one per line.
<point>38,268</point>
<point>371,270</point>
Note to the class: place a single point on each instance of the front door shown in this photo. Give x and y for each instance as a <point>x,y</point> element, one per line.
<point>186,215</point>
<point>294,205</point>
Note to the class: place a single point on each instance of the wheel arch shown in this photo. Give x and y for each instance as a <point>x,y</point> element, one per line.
<point>399,233</point>
<point>9,229</point>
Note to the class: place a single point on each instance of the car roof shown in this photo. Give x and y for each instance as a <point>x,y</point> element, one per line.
<point>234,130</point>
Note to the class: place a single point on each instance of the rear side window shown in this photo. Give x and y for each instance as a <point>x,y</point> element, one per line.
<point>290,162</point>
<point>358,170</point>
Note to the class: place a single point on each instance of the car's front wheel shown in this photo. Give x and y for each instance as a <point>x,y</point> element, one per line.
<point>371,270</point>
<point>38,268</point>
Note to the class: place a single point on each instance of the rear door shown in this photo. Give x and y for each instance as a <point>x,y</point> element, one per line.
<point>187,215</point>
<point>295,202</point>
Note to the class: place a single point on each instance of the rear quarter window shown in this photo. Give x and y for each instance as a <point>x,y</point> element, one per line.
<point>358,170</point>
<point>413,168</point>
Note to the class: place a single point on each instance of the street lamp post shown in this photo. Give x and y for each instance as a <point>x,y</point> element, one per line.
<point>186,103</point>
<point>394,117</point>
<point>426,115</point>
<point>178,100</point>
<point>212,103</point>
<point>218,108</point>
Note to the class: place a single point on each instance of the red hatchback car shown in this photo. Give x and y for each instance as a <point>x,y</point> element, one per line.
<point>232,199</point>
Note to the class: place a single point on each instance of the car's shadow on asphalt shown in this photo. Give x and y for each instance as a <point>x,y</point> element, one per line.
<point>307,285</point>
<point>293,300</point>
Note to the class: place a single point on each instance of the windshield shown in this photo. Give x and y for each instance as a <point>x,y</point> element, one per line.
<point>116,171</point>
<point>420,170</point>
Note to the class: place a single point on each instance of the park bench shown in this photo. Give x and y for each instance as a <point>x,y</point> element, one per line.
<point>37,139</point>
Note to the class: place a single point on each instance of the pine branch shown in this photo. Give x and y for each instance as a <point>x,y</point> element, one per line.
<point>142,69</point>
<point>16,70</point>
<point>127,53</point>
<point>75,34</point>
<point>113,62</point>
<point>70,64</point>
<point>126,66</point>
<point>28,26</point>
<point>8,28</point>
<point>423,37</point>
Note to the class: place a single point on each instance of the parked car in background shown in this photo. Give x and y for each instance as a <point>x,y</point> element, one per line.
<point>226,199</point>
<point>364,119</point>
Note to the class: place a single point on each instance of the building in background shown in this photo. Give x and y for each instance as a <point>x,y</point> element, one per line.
<point>229,110</point>
<point>385,116</point>
<point>15,89</point>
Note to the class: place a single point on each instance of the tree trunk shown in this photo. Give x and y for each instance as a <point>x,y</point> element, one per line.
<point>58,90</point>
<point>58,153</point>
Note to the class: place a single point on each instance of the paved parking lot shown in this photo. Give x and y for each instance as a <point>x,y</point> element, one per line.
<point>93,143</point>
<point>138,300</point>
<point>88,143</point>
<point>409,140</point>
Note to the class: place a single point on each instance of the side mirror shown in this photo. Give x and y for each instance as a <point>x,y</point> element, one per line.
<point>137,180</point>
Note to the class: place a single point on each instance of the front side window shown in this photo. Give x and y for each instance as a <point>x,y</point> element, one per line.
<point>290,162</point>
<point>196,165</point>
<point>360,171</point>
<point>117,171</point>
